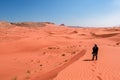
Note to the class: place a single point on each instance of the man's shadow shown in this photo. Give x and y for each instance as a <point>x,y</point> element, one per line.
<point>88,60</point>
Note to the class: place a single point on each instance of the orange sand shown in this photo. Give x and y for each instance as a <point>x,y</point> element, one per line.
<point>45,51</point>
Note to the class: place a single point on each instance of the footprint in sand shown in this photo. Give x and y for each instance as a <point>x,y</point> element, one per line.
<point>93,65</point>
<point>38,61</point>
<point>35,71</point>
<point>31,60</point>
<point>95,62</point>
<point>73,45</point>
<point>79,45</point>
<point>99,77</point>
<point>44,53</point>
<point>15,59</point>
<point>100,73</point>
<point>27,78</point>
<point>14,78</point>
<point>26,63</point>
<point>60,63</point>
<point>67,46</point>
<point>93,70</point>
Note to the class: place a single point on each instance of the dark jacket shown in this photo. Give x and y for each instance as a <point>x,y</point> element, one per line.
<point>95,50</point>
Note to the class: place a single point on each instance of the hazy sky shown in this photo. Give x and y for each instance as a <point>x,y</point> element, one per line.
<point>70,12</point>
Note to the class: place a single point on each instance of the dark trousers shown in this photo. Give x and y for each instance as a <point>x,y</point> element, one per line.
<point>94,56</point>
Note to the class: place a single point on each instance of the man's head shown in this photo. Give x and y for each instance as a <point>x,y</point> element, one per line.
<point>95,45</point>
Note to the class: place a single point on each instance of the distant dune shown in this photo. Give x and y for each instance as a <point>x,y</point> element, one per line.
<point>5,24</point>
<point>32,24</point>
<point>46,51</point>
<point>25,24</point>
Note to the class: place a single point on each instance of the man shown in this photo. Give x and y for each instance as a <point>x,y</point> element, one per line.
<point>95,51</point>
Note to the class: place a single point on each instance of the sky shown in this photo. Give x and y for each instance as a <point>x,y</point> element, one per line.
<point>88,13</point>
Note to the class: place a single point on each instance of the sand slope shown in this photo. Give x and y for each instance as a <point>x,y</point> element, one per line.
<point>106,68</point>
<point>51,52</point>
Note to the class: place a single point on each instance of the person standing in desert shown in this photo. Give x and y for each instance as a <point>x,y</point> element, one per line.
<point>95,52</point>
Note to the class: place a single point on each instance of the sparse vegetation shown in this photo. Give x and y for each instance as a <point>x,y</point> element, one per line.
<point>118,43</point>
<point>62,24</point>
<point>74,32</point>
<point>73,52</point>
<point>41,65</point>
<point>50,48</point>
<point>63,54</point>
<point>82,34</point>
<point>58,48</point>
<point>66,60</point>
<point>50,32</point>
<point>53,48</point>
<point>28,71</point>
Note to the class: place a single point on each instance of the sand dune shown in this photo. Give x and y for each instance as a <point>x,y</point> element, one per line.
<point>45,51</point>
<point>104,35</point>
<point>32,24</point>
<point>53,73</point>
<point>106,68</point>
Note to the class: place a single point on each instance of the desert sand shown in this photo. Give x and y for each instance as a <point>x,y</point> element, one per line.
<point>45,51</point>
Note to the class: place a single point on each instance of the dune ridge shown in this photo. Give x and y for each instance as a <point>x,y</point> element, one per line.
<point>55,72</point>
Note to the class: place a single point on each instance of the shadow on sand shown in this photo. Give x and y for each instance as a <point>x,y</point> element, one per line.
<point>87,60</point>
